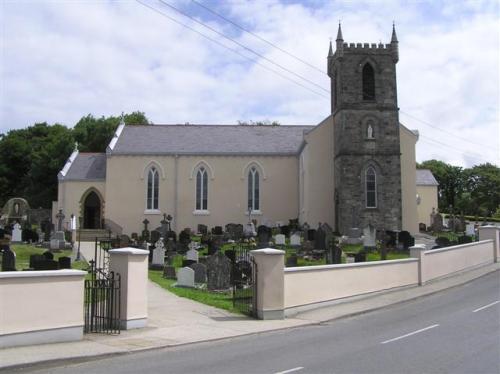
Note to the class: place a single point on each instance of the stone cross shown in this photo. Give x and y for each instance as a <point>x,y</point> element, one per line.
<point>60,217</point>
<point>146,223</point>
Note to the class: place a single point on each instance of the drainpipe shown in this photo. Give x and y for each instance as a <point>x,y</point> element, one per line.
<point>176,188</point>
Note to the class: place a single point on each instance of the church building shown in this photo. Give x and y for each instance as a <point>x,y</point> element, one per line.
<point>357,167</point>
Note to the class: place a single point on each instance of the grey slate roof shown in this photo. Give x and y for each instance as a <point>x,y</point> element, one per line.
<point>426,178</point>
<point>88,166</point>
<point>210,139</point>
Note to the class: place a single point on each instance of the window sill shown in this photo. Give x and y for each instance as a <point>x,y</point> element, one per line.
<point>253,213</point>
<point>152,211</point>
<point>201,213</point>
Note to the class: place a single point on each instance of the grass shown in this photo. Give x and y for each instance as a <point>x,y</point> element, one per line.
<point>24,251</point>
<point>222,300</point>
<point>375,256</point>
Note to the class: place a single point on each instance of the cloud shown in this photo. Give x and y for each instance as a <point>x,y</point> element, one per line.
<point>62,60</point>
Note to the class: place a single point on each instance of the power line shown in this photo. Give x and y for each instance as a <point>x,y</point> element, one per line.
<point>258,37</point>
<point>232,50</point>
<point>242,45</point>
<point>447,132</point>
<point>428,140</point>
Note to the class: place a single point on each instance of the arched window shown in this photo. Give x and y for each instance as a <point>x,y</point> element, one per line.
<point>253,189</point>
<point>368,82</point>
<point>201,189</point>
<point>371,187</point>
<point>153,181</point>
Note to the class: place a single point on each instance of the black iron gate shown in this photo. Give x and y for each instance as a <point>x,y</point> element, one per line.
<point>102,294</point>
<point>244,280</point>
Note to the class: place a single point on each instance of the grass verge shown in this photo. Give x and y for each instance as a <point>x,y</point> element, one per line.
<point>24,251</point>
<point>222,300</point>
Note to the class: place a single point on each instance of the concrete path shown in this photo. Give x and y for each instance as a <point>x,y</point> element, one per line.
<point>175,321</point>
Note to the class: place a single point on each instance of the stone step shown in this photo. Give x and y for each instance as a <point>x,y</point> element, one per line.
<point>89,235</point>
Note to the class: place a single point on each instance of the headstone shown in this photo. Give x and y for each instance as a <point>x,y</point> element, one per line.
<point>291,261</point>
<point>46,265</point>
<point>186,263</point>
<point>64,262</point>
<point>218,272</point>
<point>155,236</point>
<point>311,233</point>
<point>8,259</point>
<point>200,272</point>
<point>169,272</point>
<point>34,258</point>
<point>217,230</point>
<point>17,233</point>
<point>295,240</point>
<point>48,255</point>
<point>319,238</point>
<point>470,229</point>
<point>279,239</point>
<point>437,223</point>
<point>202,229</point>
<point>369,237</point>
<point>285,230</point>
<point>159,254</point>
<point>264,234</point>
<point>406,239</point>
<point>57,241</point>
<point>231,254</point>
<point>185,277</point>
<point>192,254</point>
<point>354,236</point>
<point>249,230</point>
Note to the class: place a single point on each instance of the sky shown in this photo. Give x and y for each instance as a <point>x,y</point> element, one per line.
<point>61,60</point>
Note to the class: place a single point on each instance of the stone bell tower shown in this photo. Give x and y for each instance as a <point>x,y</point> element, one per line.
<point>366,134</point>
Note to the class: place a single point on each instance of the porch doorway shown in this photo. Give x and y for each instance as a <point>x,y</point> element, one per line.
<point>92,211</point>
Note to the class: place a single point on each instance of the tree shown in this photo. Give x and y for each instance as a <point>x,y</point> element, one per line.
<point>483,184</point>
<point>94,134</point>
<point>450,179</point>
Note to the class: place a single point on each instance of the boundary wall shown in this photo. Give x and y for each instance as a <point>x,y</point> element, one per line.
<point>39,307</point>
<point>286,291</point>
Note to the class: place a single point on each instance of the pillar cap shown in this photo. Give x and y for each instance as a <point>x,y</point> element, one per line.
<point>128,251</point>
<point>267,251</point>
<point>421,247</point>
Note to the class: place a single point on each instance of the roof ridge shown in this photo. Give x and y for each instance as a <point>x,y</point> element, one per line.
<point>214,125</point>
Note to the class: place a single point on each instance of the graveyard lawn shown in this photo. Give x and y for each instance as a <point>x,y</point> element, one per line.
<point>24,251</point>
<point>222,300</point>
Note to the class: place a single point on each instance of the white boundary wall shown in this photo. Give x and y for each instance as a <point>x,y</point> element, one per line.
<point>445,261</point>
<point>41,306</point>
<point>287,291</point>
<point>316,284</point>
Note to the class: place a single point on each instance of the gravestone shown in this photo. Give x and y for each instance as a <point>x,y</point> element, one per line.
<point>279,239</point>
<point>310,234</point>
<point>264,234</point>
<point>192,254</point>
<point>155,236</point>
<point>437,222</point>
<point>319,238</point>
<point>295,240</point>
<point>169,272</point>
<point>285,230</point>
<point>369,237</point>
<point>218,272</point>
<point>200,272</point>
<point>249,230</point>
<point>184,240</point>
<point>202,229</point>
<point>48,255</point>
<point>231,254</point>
<point>8,259</point>
<point>185,277</point>
<point>186,263</point>
<point>406,239</point>
<point>470,229</point>
<point>64,262</point>
<point>354,236</point>
<point>34,258</point>
<point>217,230</point>
<point>158,260</point>
<point>291,261</point>
<point>46,265</point>
<point>17,233</point>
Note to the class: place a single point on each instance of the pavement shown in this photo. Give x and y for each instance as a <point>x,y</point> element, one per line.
<point>174,321</point>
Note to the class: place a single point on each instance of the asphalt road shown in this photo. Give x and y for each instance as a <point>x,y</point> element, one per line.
<point>454,331</point>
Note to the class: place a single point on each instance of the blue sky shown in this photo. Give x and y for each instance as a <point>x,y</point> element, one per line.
<point>64,59</point>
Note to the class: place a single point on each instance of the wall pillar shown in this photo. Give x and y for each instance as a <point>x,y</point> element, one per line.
<point>132,265</point>
<point>417,252</point>
<point>270,283</point>
<point>491,232</point>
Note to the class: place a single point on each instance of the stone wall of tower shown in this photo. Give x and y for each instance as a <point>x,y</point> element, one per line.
<point>356,147</point>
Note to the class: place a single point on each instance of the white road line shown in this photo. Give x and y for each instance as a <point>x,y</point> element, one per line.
<point>486,306</point>
<point>290,370</point>
<point>409,334</point>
